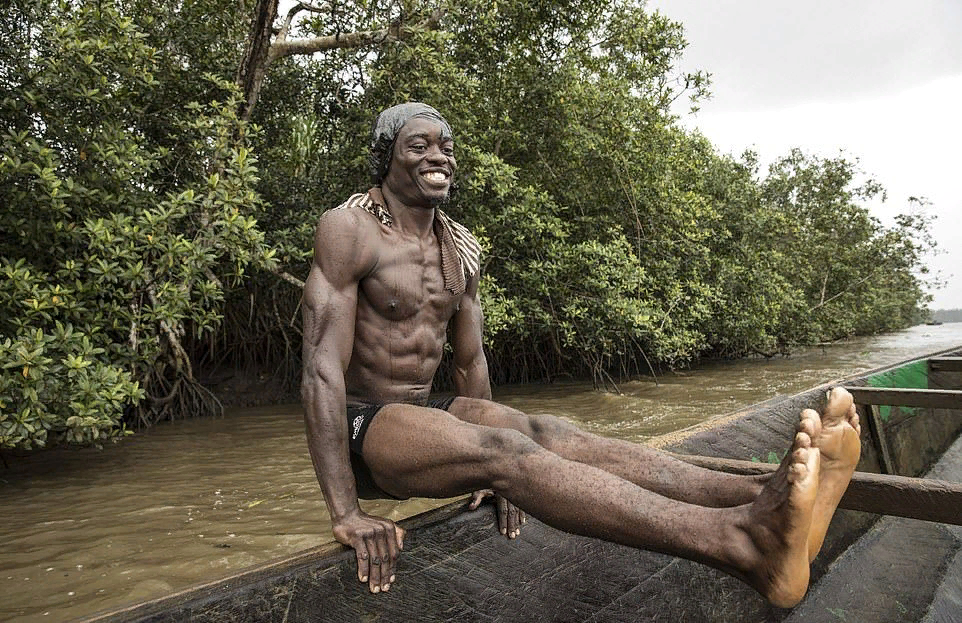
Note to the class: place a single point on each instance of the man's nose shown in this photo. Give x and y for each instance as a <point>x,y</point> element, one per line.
<point>436,155</point>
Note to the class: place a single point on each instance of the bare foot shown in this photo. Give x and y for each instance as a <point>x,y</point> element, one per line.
<point>837,436</point>
<point>777,525</point>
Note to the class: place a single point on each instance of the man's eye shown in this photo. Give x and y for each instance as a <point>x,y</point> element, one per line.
<point>418,147</point>
<point>448,151</point>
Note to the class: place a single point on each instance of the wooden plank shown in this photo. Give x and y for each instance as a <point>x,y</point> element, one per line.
<point>877,433</point>
<point>945,364</point>
<point>884,494</point>
<point>927,398</point>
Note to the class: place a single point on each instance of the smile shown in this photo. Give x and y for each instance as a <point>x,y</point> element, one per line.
<point>435,177</point>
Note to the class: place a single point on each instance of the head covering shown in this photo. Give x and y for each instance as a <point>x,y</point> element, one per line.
<point>386,128</point>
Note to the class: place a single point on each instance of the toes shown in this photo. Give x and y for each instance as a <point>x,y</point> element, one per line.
<point>808,423</point>
<point>799,457</point>
<point>799,470</point>
<point>853,417</point>
<point>804,462</point>
<point>802,440</point>
<point>839,403</point>
<point>810,415</point>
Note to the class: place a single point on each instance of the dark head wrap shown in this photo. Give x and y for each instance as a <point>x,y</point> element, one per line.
<point>386,129</point>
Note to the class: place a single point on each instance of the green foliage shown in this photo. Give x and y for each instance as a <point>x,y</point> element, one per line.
<point>850,274</point>
<point>128,216</point>
<point>145,236</point>
<point>58,386</point>
<point>614,241</point>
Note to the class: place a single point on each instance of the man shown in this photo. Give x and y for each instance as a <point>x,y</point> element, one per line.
<point>393,278</point>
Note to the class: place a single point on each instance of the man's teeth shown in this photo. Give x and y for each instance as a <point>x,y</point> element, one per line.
<point>435,177</point>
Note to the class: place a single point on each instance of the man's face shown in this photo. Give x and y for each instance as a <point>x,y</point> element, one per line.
<point>422,164</point>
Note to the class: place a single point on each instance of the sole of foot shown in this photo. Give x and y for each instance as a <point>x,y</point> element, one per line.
<point>837,437</point>
<point>780,521</point>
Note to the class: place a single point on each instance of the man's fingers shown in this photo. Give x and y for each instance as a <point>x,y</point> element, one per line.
<point>514,525</point>
<point>502,515</point>
<point>387,575</point>
<point>476,500</point>
<point>377,561</point>
<point>479,497</point>
<point>363,561</point>
<point>510,516</point>
<point>384,547</point>
<point>377,544</point>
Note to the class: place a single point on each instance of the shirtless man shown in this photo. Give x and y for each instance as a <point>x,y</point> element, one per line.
<point>393,279</point>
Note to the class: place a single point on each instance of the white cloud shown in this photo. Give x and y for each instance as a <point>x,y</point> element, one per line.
<point>775,52</point>
<point>880,80</point>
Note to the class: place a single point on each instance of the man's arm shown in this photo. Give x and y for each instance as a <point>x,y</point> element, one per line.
<point>343,254</point>
<point>471,380</point>
<point>470,364</point>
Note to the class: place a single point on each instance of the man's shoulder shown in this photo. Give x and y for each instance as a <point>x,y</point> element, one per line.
<point>364,204</point>
<point>348,231</point>
<point>353,215</point>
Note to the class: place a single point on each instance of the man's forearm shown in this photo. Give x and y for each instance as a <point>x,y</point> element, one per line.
<point>327,439</point>
<point>472,381</point>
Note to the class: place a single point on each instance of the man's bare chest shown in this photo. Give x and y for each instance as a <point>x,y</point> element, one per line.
<point>407,282</point>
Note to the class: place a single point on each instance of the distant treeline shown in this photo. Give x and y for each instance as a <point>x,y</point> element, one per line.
<point>151,233</point>
<point>947,315</point>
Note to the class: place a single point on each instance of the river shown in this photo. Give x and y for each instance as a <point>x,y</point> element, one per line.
<point>188,501</point>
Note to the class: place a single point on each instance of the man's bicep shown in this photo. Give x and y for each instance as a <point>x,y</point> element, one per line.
<point>341,257</point>
<point>470,364</point>
<point>329,313</point>
<point>467,329</point>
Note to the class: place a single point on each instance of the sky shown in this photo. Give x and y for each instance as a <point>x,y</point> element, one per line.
<point>880,80</point>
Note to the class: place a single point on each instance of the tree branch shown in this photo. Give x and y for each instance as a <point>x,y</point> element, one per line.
<point>261,51</point>
<point>297,8</point>
<point>395,32</point>
<point>253,66</point>
<point>857,283</point>
<point>180,355</point>
<point>289,278</point>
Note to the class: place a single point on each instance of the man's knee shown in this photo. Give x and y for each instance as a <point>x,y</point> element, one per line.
<point>550,431</point>
<point>500,442</point>
<point>504,451</point>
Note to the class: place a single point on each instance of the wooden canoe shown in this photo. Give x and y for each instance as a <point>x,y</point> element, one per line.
<point>878,564</point>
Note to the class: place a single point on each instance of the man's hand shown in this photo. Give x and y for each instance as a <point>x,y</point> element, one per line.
<point>510,517</point>
<point>377,543</point>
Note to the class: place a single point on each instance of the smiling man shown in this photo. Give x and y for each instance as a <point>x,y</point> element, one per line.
<point>394,279</point>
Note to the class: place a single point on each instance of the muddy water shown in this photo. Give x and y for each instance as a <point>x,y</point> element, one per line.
<point>86,530</point>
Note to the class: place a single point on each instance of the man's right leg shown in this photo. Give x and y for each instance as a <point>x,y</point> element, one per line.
<point>413,451</point>
<point>643,465</point>
<point>837,440</point>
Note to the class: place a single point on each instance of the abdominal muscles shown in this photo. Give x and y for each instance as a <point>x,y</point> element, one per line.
<point>396,361</point>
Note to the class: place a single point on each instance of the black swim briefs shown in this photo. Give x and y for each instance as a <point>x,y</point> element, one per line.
<point>359,417</point>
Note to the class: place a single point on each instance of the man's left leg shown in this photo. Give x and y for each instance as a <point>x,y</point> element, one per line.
<point>837,438</point>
